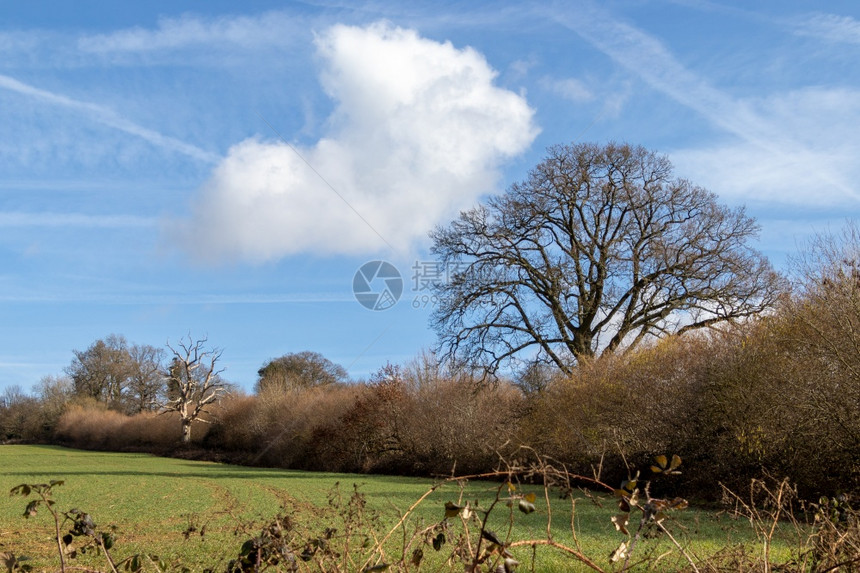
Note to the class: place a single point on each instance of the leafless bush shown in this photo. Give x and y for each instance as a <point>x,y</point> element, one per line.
<point>149,429</point>
<point>24,419</point>
<point>279,428</point>
<point>620,409</point>
<point>452,422</point>
<point>90,425</point>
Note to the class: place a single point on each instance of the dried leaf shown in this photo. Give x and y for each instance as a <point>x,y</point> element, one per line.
<point>525,506</point>
<point>619,553</point>
<point>620,521</point>
<point>662,465</point>
<point>452,509</point>
<point>530,497</point>
<point>31,509</point>
<point>629,486</point>
<point>13,563</point>
<point>22,489</point>
<point>491,537</point>
<point>679,503</point>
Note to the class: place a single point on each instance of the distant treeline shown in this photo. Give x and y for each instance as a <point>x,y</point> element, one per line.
<point>777,394</point>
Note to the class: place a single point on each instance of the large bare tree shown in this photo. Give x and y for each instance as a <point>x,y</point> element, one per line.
<point>193,381</point>
<point>598,249</point>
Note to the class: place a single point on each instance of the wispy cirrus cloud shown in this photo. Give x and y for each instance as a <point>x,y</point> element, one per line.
<point>648,58</point>
<point>188,31</point>
<point>829,27</point>
<point>570,89</point>
<point>773,159</point>
<point>19,41</point>
<point>108,117</point>
<point>47,219</point>
<point>816,165</point>
<point>108,296</point>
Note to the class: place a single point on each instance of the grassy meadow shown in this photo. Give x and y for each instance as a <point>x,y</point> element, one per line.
<point>152,501</point>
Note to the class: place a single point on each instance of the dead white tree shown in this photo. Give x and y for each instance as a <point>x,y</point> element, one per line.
<point>193,381</point>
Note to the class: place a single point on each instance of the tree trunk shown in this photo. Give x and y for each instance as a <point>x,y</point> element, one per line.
<point>581,347</point>
<point>186,431</point>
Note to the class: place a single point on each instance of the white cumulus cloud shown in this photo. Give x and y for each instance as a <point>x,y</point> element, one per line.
<point>419,131</point>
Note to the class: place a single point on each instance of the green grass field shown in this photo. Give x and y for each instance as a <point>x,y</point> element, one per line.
<point>152,501</point>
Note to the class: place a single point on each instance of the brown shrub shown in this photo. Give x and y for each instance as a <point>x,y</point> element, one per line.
<point>233,429</point>
<point>428,425</point>
<point>394,424</point>
<point>278,428</point>
<point>637,405</point>
<point>355,436</point>
<point>89,426</point>
<point>452,422</point>
<point>26,420</point>
<point>150,430</point>
<point>775,404</point>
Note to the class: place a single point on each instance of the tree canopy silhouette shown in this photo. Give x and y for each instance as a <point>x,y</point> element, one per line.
<point>600,247</point>
<point>299,370</point>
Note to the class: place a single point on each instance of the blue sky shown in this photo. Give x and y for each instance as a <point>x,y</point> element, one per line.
<point>222,170</point>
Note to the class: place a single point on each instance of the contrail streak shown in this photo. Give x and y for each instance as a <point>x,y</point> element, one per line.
<point>110,118</point>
